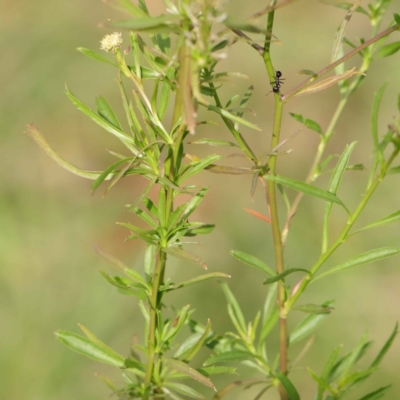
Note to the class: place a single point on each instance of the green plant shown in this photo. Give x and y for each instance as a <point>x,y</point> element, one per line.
<point>179,57</point>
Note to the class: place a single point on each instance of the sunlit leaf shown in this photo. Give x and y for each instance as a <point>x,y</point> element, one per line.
<point>109,170</point>
<point>97,56</point>
<point>383,221</point>
<point>385,347</point>
<point>94,351</point>
<point>187,370</point>
<point>307,326</point>
<point>234,310</point>
<point>194,203</point>
<point>233,117</point>
<point>308,122</point>
<point>252,261</point>
<point>387,50</point>
<point>365,258</point>
<point>105,111</point>
<point>213,142</point>
<point>184,255</point>
<point>198,279</point>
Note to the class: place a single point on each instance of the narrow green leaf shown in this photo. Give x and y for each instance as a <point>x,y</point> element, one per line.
<point>270,314</point>
<point>355,377</point>
<point>314,309</point>
<point>32,131</point>
<point>233,117</point>
<point>145,217</point>
<point>305,188</point>
<point>109,170</point>
<point>216,370</point>
<point>198,345</point>
<point>184,255</point>
<point>151,206</point>
<point>187,370</point>
<point>288,385</point>
<point>387,50</point>
<point>374,121</point>
<point>308,122</point>
<point>307,326</point>
<point>385,347</point>
<point>202,229</point>
<point>376,394</point>
<point>237,314</point>
<point>123,137</point>
<point>221,169</point>
<point>97,56</point>
<point>198,279</point>
<point>183,389</point>
<point>320,381</point>
<point>127,286</point>
<point>279,277</point>
<point>105,111</point>
<point>229,356</point>
<point>243,25</point>
<point>200,165</point>
<point>333,187</point>
<point>213,142</point>
<point>136,277</point>
<point>252,261</point>
<point>383,221</point>
<point>397,18</point>
<point>365,258</point>
<point>89,349</point>
<point>328,368</point>
<point>194,203</point>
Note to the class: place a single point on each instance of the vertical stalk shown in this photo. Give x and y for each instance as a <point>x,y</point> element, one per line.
<point>276,232</point>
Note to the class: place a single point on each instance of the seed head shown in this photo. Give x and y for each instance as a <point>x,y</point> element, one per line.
<point>111,43</point>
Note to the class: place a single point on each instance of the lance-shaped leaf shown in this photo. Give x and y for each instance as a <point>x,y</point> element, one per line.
<point>164,24</point>
<point>243,25</point>
<point>270,314</point>
<point>279,277</point>
<point>328,368</point>
<point>97,56</point>
<point>365,258</point>
<point>308,122</point>
<point>198,166</point>
<point>194,203</point>
<point>221,169</point>
<point>333,187</point>
<point>307,326</point>
<point>95,351</point>
<point>213,142</point>
<point>252,261</point>
<point>233,117</point>
<point>135,289</point>
<point>234,310</point>
<point>321,383</point>
<point>234,385</point>
<point>193,281</point>
<point>144,216</point>
<point>383,221</point>
<point>146,73</point>
<point>385,347</point>
<point>376,394</point>
<point>229,356</point>
<point>314,309</point>
<point>187,370</point>
<point>184,255</point>
<point>288,385</point>
<point>374,121</point>
<point>133,9</point>
<point>387,50</point>
<point>127,140</point>
<point>305,188</point>
<point>340,34</point>
<point>216,370</point>
<point>32,131</point>
<point>110,170</point>
<point>326,83</point>
<point>105,111</point>
<point>193,350</point>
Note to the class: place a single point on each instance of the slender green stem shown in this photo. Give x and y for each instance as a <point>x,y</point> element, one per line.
<point>154,307</point>
<point>343,235</point>
<point>276,232</point>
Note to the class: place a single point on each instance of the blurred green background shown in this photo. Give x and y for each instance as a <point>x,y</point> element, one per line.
<point>49,220</point>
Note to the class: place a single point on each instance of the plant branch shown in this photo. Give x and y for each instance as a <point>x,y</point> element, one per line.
<point>341,60</point>
<point>343,235</point>
<point>277,237</point>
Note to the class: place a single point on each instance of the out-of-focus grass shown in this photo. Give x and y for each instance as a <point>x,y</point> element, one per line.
<point>49,221</point>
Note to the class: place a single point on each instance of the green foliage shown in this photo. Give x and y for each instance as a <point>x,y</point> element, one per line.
<point>178,54</point>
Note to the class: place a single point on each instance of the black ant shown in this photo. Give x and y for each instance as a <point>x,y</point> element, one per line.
<point>277,82</point>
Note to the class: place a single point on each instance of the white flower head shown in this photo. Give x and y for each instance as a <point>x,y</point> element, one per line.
<point>111,43</point>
